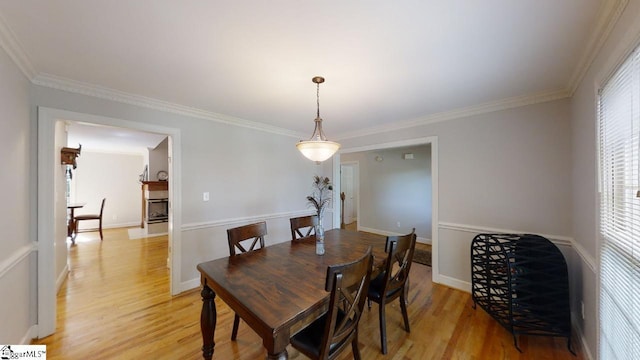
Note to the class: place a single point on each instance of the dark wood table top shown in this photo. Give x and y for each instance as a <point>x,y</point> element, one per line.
<point>75,205</point>
<point>280,288</point>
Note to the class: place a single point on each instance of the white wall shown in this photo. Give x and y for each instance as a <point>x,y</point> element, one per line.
<point>112,176</point>
<point>17,252</point>
<point>623,38</point>
<point>394,190</point>
<point>504,170</point>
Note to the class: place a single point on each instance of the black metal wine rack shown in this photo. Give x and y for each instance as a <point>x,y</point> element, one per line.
<point>522,282</point>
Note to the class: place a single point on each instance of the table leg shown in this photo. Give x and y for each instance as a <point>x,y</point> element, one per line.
<point>208,321</point>
<point>71,227</point>
<point>277,346</point>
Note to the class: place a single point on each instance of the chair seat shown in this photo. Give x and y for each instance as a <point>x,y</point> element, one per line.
<point>309,340</point>
<point>375,289</point>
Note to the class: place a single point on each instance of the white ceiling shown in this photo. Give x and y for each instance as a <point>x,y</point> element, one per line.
<point>112,139</point>
<point>385,62</point>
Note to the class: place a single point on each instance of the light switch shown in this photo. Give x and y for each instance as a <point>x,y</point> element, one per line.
<point>205,196</point>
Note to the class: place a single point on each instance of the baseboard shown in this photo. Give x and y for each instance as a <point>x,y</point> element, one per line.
<point>62,277</point>
<point>31,334</point>
<point>189,284</point>
<point>454,283</point>
<point>582,341</point>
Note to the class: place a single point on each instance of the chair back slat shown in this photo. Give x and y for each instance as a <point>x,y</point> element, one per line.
<point>302,223</point>
<point>399,251</point>
<point>253,233</point>
<point>348,284</point>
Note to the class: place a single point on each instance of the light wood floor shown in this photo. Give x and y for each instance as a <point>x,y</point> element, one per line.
<point>115,304</point>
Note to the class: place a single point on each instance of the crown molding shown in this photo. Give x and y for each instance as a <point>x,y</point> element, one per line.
<point>484,108</point>
<point>609,14</point>
<point>73,86</point>
<point>9,43</point>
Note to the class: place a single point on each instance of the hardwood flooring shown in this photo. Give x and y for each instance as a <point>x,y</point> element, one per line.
<point>115,304</point>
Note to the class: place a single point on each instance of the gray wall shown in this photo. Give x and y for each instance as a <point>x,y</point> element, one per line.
<point>250,174</point>
<point>158,159</point>
<point>17,253</point>
<point>394,190</point>
<point>507,170</point>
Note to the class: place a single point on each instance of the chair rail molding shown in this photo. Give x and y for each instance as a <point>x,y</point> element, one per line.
<point>559,240</point>
<point>20,254</point>
<point>245,219</point>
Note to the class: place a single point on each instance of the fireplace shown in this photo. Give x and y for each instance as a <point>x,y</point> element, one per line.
<point>155,206</point>
<point>157,211</point>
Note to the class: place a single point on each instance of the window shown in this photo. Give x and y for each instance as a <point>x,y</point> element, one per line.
<point>619,140</point>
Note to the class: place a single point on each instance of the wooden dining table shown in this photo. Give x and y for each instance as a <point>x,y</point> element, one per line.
<point>279,289</point>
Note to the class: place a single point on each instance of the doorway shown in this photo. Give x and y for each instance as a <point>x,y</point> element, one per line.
<point>349,175</point>
<point>433,142</point>
<point>48,199</point>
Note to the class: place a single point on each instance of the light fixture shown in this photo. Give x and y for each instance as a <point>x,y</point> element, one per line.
<point>318,148</point>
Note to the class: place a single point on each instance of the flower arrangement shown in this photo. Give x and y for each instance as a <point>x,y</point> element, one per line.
<point>321,196</point>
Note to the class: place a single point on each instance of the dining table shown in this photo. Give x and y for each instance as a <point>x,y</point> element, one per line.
<point>71,221</point>
<point>279,289</point>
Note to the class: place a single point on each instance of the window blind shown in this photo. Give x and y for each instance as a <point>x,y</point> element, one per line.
<point>619,140</point>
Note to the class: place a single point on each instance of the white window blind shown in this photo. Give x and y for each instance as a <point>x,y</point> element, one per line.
<point>619,140</point>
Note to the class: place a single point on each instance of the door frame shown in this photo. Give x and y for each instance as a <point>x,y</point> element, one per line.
<point>47,162</point>
<point>433,141</point>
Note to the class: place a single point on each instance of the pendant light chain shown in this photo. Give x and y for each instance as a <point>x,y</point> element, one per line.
<point>318,99</point>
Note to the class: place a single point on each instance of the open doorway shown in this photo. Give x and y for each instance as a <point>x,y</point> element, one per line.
<point>376,155</point>
<point>349,171</point>
<point>49,199</point>
<point>115,164</point>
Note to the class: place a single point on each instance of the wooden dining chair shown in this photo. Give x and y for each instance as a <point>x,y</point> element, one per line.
<point>392,281</point>
<point>299,224</point>
<point>85,217</point>
<point>238,238</point>
<point>329,335</point>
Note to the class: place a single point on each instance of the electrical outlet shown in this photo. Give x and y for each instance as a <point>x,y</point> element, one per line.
<point>115,217</point>
<point>398,224</point>
<point>205,196</point>
<point>582,309</point>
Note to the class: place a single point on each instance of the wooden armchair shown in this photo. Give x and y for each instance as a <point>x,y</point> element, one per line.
<point>253,234</point>
<point>302,222</point>
<point>392,282</point>
<point>330,334</point>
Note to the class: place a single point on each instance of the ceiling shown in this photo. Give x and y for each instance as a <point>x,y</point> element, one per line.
<point>386,63</point>
<point>111,139</point>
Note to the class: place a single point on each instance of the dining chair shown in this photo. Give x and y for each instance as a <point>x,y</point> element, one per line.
<point>391,283</point>
<point>331,333</point>
<point>252,234</point>
<point>298,224</point>
<point>86,217</point>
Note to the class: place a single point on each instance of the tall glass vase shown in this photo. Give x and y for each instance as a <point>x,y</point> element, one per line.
<point>319,237</point>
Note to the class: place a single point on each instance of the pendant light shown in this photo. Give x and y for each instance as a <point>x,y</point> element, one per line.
<point>318,148</point>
